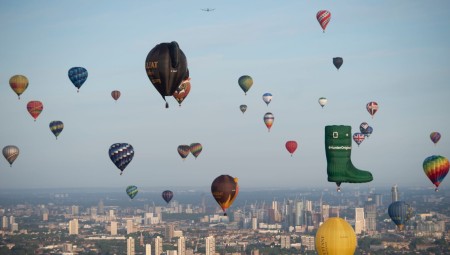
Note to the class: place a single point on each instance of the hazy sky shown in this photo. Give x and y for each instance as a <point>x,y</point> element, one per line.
<point>396,53</point>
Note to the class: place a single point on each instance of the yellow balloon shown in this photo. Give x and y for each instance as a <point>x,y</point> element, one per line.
<point>335,237</point>
<point>19,84</point>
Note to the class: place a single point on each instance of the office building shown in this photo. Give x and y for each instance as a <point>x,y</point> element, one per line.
<point>169,232</point>
<point>14,227</point>
<point>45,216</point>
<point>371,216</point>
<point>182,245</point>
<point>325,212</point>
<point>299,213</point>
<point>130,226</point>
<point>75,210</point>
<point>359,220</point>
<point>285,242</point>
<point>130,246</point>
<point>113,228</point>
<point>210,245</point>
<point>5,224</point>
<point>254,223</point>
<point>171,252</point>
<point>394,193</point>
<point>101,207</point>
<point>158,243</point>
<point>308,242</point>
<point>148,249</point>
<point>73,227</point>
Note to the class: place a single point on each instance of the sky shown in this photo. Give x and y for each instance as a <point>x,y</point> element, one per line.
<point>395,53</point>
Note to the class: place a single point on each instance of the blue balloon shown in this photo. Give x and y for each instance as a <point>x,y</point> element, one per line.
<point>121,155</point>
<point>400,212</point>
<point>78,76</point>
<point>132,191</point>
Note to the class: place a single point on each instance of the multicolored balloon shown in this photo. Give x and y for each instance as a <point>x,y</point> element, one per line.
<point>267,98</point>
<point>268,120</point>
<point>435,137</point>
<point>35,108</point>
<point>436,168</point>
<point>167,195</point>
<point>196,149</point>
<point>184,150</point>
<point>291,146</point>
<point>323,17</point>
<point>121,155</point>
<point>358,138</point>
<point>56,127</point>
<point>10,152</point>
<point>245,82</point>
<point>337,62</point>
<point>166,67</point>
<point>335,237</point>
<point>363,127</point>
<point>323,101</point>
<point>400,213</point>
<point>372,108</point>
<point>225,190</point>
<point>18,83</point>
<point>182,91</point>
<point>132,191</point>
<point>78,75</point>
<point>243,108</point>
<point>115,94</point>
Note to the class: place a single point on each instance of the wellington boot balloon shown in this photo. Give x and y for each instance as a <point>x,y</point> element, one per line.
<point>338,148</point>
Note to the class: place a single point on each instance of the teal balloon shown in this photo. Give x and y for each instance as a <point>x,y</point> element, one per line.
<point>132,191</point>
<point>245,82</point>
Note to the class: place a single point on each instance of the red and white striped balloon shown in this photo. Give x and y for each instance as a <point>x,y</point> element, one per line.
<point>323,16</point>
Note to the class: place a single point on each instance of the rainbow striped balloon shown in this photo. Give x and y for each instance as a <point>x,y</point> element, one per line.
<point>436,168</point>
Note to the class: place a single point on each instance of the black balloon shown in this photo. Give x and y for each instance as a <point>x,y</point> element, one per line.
<point>167,195</point>
<point>166,67</point>
<point>338,62</point>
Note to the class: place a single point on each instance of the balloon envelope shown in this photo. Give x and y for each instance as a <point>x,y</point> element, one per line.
<point>372,108</point>
<point>267,98</point>
<point>78,75</point>
<point>166,67</point>
<point>35,108</point>
<point>245,82</point>
<point>436,168</point>
<point>182,91</point>
<point>323,17</point>
<point>184,150</point>
<point>291,146</point>
<point>10,152</point>
<point>115,94</point>
<point>323,101</point>
<point>243,108</point>
<point>56,127</point>
<point>358,138</point>
<point>132,191</point>
<point>337,62</point>
<point>435,137</point>
<point>225,190</point>
<point>335,237</point>
<point>121,155</point>
<point>400,213</point>
<point>18,83</point>
<point>196,149</point>
<point>268,120</point>
<point>167,195</point>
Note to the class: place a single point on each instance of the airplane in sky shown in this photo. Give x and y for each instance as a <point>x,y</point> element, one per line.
<point>208,10</point>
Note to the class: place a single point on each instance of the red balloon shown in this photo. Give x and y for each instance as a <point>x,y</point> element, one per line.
<point>323,16</point>
<point>115,94</point>
<point>291,146</point>
<point>35,108</point>
<point>372,108</point>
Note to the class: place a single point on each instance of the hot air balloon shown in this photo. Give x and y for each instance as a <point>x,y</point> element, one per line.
<point>363,127</point>
<point>78,75</point>
<point>166,67</point>
<point>115,94</point>
<point>323,16</point>
<point>167,195</point>
<point>35,108</point>
<point>10,152</point>
<point>372,108</point>
<point>196,149</point>
<point>132,191</point>
<point>337,62</point>
<point>225,190</point>
<point>267,98</point>
<point>358,138</point>
<point>436,168</point>
<point>184,150</point>
<point>243,108</point>
<point>182,91</point>
<point>245,82</point>
<point>435,137</point>
<point>268,120</point>
<point>369,131</point>
<point>335,237</point>
<point>18,83</point>
<point>323,101</point>
<point>56,127</point>
<point>121,155</point>
<point>291,146</point>
<point>400,213</point>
